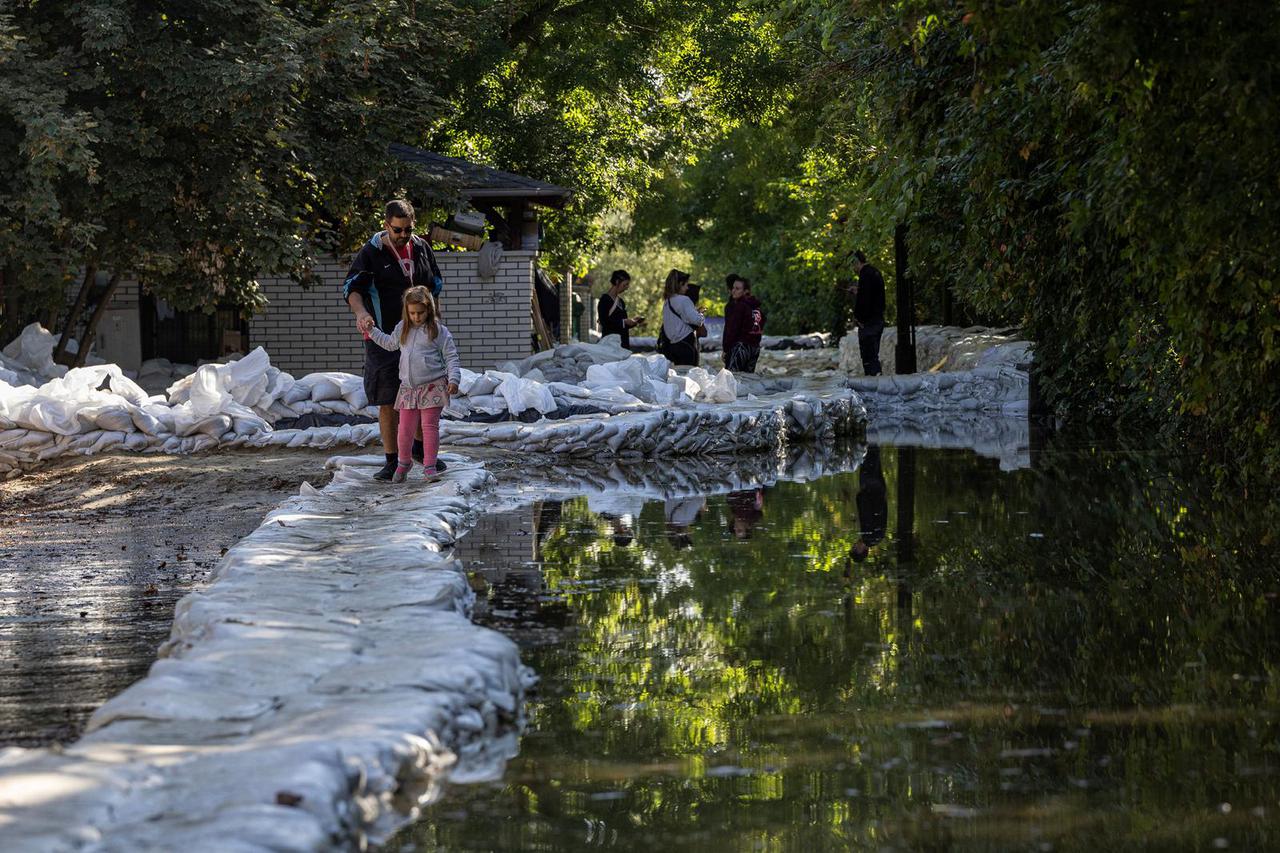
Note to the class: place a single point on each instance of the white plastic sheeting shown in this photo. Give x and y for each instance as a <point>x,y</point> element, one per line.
<point>313,696</point>
<point>569,363</point>
<point>92,410</point>
<point>28,358</point>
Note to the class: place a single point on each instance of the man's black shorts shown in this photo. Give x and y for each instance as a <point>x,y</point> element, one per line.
<point>381,374</point>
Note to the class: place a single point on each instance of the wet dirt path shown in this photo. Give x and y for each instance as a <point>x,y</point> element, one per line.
<point>95,553</point>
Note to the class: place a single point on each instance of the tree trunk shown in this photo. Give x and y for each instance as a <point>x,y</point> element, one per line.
<point>90,273</point>
<point>91,330</point>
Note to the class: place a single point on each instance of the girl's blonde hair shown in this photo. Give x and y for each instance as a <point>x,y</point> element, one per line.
<point>418,296</point>
<point>675,278</point>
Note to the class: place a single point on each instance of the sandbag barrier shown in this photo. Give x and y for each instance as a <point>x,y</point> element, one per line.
<point>1002,390</point>
<point>647,430</point>
<point>943,348</point>
<point>312,697</point>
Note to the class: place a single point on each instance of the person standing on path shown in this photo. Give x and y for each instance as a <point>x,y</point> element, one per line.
<point>393,260</point>
<point>611,310</point>
<point>429,373</point>
<point>868,312</point>
<point>682,325</point>
<point>743,327</point>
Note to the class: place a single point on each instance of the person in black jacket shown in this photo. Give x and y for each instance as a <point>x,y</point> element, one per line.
<point>393,260</point>
<point>868,312</point>
<point>611,311</point>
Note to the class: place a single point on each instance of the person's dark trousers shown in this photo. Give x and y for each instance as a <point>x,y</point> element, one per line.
<point>869,347</point>
<point>742,358</point>
<point>684,351</point>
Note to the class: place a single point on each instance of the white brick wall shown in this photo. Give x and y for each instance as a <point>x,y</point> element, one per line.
<point>312,330</point>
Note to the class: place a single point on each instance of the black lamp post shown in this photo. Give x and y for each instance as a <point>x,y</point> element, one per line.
<point>905,351</point>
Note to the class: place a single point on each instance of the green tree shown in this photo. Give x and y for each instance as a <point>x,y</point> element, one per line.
<point>1102,174</point>
<point>199,146</point>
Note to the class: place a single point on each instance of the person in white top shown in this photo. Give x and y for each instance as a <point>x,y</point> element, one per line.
<point>682,325</point>
<point>429,374</point>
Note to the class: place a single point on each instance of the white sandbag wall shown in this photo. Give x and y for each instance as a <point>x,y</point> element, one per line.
<point>1002,391</point>
<point>942,348</point>
<point>98,409</point>
<point>763,423</point>
<point>312,697</point>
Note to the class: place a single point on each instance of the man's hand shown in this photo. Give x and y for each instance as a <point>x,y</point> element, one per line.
<point>364,322</point>
<point>453,388</point>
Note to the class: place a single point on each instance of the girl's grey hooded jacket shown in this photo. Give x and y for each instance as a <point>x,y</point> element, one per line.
<point>422,359</point>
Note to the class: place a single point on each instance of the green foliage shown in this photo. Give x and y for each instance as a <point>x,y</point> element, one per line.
<point>197,146</point>
<point>1102,174</point>
<point>759,202</point>
<point>648,264</point>
<point>597,96</point>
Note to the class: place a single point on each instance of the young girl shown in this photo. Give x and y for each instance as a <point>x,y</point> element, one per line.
<point>429,373</point>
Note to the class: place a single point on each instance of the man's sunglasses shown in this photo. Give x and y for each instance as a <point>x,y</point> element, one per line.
<point>408,229</point>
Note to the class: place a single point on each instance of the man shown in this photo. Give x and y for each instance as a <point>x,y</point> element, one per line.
<point>611,311</point>
<point>868,312</point>
<point>393,260</point>
<point>743,327</point>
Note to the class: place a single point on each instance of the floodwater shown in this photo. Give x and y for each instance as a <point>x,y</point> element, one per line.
<point>927,653</point>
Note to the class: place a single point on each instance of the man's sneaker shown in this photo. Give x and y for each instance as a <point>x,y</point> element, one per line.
<point>418,454</point>
<point>386,472</point>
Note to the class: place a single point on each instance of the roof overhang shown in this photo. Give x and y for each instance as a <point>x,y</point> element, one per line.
<point>472,181</point>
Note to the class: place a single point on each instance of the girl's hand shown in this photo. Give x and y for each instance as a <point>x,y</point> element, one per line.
<point>453,388</point>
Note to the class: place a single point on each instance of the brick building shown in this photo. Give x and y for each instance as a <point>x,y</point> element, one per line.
<point>486,304</point>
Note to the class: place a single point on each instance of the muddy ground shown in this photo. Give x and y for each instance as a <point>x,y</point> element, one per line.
<point>95,552</point>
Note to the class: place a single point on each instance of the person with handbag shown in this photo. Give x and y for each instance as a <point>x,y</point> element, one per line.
<point>682,324</point>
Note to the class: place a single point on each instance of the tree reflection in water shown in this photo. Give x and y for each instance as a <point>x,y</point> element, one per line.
<point>1081,655</point>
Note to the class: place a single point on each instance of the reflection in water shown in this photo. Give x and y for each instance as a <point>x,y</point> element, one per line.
<point>873,505</point>
<point>747,507</point>
<point>679,514</point>
<point>1080,656</point>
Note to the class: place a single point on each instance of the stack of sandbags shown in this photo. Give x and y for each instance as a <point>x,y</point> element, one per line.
<point>28,359</point>
<point>569,363</point>
<point>156,375</point>
<point>938,348</point>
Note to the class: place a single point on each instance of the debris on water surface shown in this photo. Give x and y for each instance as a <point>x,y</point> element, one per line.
<point>953,810</point>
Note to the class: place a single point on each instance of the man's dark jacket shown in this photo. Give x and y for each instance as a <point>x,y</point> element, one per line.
<point>739,322</point>
<point>376,275</point>
<point>868,306</point>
